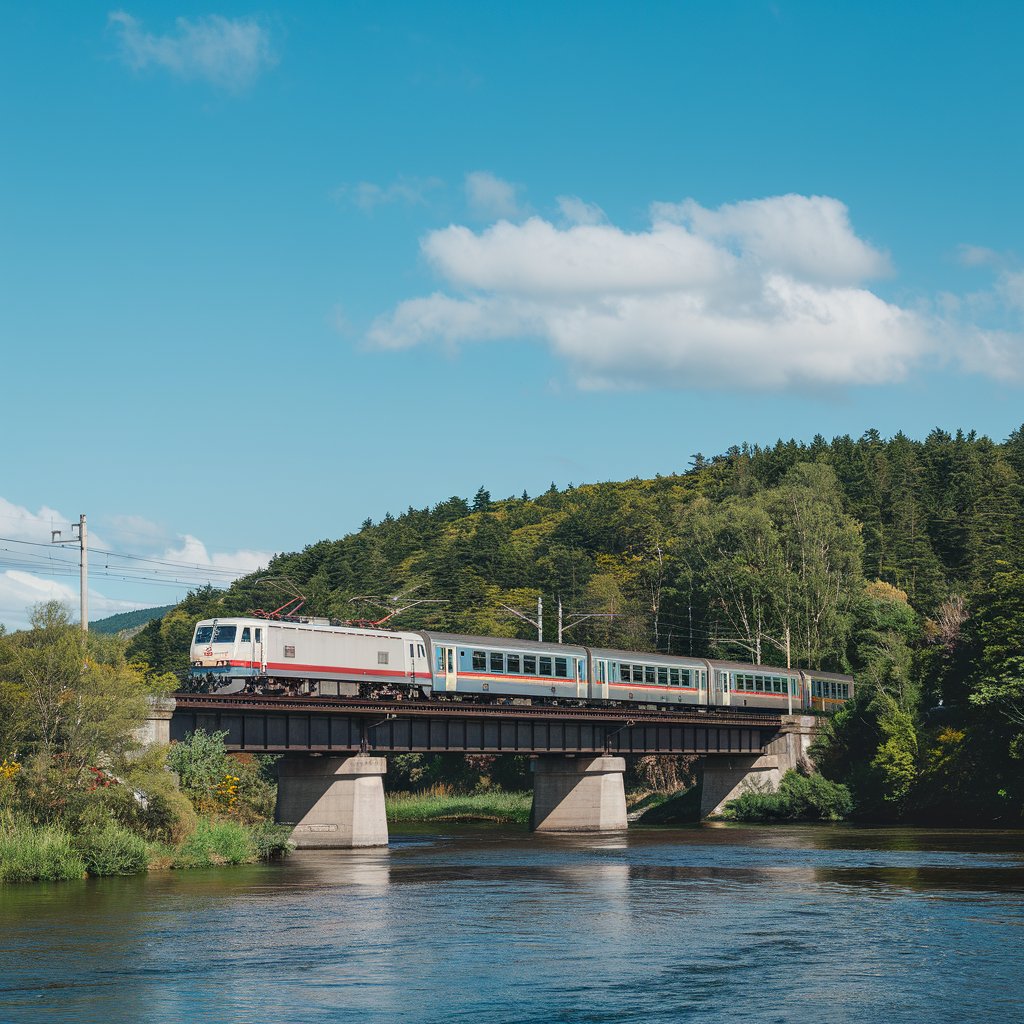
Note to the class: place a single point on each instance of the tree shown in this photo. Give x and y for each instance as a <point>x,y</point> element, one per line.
<point>785,562</point>
<point>71,703</point>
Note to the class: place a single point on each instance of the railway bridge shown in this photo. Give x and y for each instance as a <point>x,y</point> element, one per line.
<point>330,780</point>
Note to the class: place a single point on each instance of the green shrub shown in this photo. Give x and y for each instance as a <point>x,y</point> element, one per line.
<point>798,798</point>
<point>44,853</point>
<point>201,763</point>
<point>215,842</point>
<point>112,850</point>
<point>270,841</point>
<point>441,804</point>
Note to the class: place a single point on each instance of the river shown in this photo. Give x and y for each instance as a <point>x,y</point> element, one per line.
<point>480,924</point>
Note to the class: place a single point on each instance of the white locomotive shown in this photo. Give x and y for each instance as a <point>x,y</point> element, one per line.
<point>310,656</point>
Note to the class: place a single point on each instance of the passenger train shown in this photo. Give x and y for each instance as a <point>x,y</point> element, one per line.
<point>313,657</point>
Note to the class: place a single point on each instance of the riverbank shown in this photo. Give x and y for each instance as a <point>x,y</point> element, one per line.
<point>53,853</point>
<point>440,804</point>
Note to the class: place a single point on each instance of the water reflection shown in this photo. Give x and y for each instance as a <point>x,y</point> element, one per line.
<point>482,925</point>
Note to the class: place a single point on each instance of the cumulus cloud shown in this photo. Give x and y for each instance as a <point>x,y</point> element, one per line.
<point>490,197</point>
<point>368,195</point>
<point>194,552</point>
<point>764,294</point>
<point>230,53</point>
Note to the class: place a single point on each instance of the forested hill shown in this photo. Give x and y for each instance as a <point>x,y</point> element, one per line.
<point>720,559</point>
<point>898,559</point>
<point>128,620</point>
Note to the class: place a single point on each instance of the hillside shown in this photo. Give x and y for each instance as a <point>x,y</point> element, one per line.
<point>128,620</point>
<point>897,559</point>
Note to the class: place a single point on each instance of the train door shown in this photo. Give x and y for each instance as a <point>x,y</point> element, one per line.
<point>601,678</point>
<point>722,688</point>
<point>581,678</point>
<point>258,658</point>
<point>446,659</point>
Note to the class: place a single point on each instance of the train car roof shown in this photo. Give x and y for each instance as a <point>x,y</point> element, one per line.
<point>500,641</point>
<point>746,666</point>
<point>611,652</point>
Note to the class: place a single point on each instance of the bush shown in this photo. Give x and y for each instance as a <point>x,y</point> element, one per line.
<point>215,842</point>
<point>201,763</point>
<point>270,841</point>
<point>798,798</point>
<point>44,853</point>
<point>112,850</point>
<point>440,803</point>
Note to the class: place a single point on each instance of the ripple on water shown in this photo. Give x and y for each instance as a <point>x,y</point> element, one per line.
<point>485,925</point>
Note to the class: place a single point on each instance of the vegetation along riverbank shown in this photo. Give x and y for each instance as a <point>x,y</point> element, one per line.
<point>78,794</point>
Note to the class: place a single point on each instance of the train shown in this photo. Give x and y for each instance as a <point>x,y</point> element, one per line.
<point>313,657</point>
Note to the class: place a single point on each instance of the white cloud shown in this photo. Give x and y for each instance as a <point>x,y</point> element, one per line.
<point>765,294</point>
<point>20,591</point>
<point>367,195</point>
<point>491,197</point>
<point>809,237</point>
<point>576,211</point>
<point>230,53</point>
<point>32,570</point>
<point>194,552</point>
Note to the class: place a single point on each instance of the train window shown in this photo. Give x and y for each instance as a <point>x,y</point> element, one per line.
<point>625,672</point>
<point>530,664</point>
<point>663,676</point>
<point>419,647</point>
<point>204,634</point>
<point>545,666</point>
<point>479,661</point>
<point>412,651</point>
<point>224,634</point>
<point>846,690</point>
<point>650,675</point>
<point>497,662</point>
<point>382,657</point>
<point>512,663</point>
<point>246,635</point>
<point>561,668</point>
<point>684,677</point>
<point>439,659</point>
<point>673,676</point>
<point>259,635</point>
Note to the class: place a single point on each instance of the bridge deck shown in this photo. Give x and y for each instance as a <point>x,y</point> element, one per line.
<point>340,725</point>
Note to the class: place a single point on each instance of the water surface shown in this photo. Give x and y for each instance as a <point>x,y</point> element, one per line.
<point>479,924</point>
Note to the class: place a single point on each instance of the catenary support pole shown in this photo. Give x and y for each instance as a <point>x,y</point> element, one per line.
<point>83,576</point>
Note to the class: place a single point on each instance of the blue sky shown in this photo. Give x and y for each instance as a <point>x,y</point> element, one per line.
<point>267,271</point>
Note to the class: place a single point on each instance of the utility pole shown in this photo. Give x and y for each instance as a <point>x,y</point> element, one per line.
<point>559,618</point>
<point>538,622</point>
<point>83,564</point>
<point>789,664</point>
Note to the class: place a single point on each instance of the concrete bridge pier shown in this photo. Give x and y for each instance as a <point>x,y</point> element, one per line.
<point>578,794</point>
<point>726,777</point>
<point>332,801</point>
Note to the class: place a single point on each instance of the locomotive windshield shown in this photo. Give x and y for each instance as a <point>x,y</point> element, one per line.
<point>215,635</point>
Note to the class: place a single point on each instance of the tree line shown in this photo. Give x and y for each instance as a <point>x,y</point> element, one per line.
<point>894,558</point>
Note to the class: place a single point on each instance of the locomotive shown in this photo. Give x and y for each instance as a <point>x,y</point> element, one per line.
<point>313,657</point>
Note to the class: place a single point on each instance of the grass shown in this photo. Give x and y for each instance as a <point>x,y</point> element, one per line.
<point>439,803</point>
<point>38,853</point>
<point>51,853</point>
<point>112,850</point>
